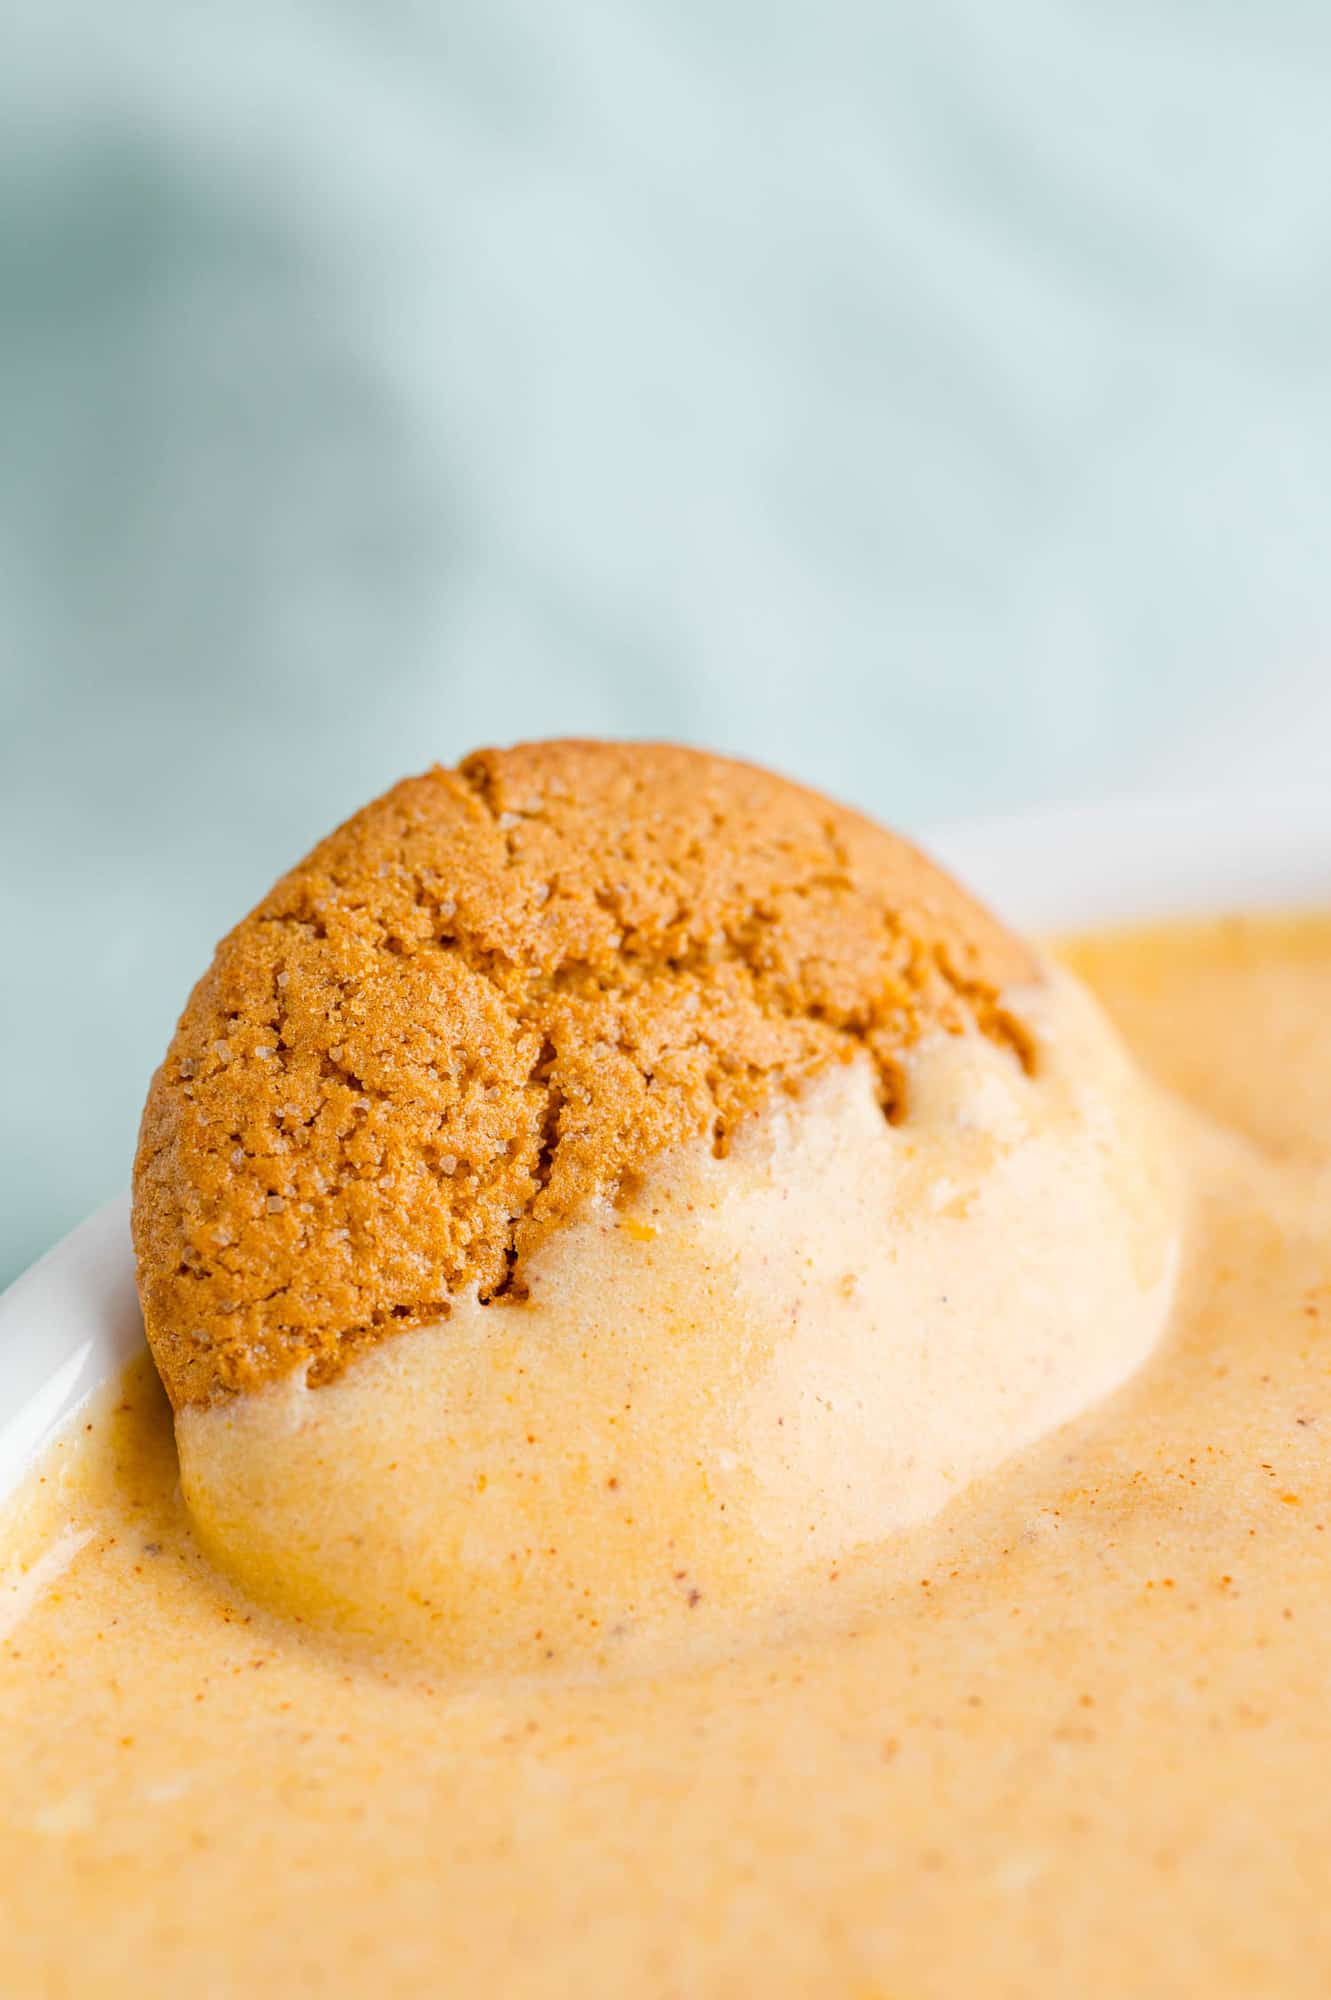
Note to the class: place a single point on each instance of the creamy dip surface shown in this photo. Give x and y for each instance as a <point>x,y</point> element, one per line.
<point>1070,1734</point>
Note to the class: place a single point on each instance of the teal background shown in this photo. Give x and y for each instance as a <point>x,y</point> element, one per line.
<point>932,401</point>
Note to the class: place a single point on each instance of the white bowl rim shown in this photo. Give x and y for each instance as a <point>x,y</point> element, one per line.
<point>71,1321</point>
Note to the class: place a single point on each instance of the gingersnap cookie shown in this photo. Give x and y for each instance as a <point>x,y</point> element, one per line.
<point>496,994</point>
<point>603,1181</point>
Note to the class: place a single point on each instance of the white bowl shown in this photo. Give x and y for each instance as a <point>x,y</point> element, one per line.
<point>68,1324</point>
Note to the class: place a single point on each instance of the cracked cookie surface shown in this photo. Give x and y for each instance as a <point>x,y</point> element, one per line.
<point>495,994</point>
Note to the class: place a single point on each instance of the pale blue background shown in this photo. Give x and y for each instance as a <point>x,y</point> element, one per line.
<point>933,401</point>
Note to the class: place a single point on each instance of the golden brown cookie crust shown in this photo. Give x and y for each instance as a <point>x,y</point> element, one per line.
<point>495,994</point>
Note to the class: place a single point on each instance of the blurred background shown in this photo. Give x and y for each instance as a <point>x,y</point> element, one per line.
<point>934,402</point>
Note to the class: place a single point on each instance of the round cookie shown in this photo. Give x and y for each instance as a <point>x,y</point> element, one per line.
<point>493,996</point>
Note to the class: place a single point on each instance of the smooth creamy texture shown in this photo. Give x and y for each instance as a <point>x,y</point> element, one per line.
<point>1069,1736</point>
<point>764,1361</point>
